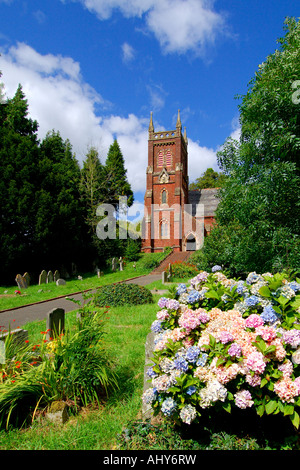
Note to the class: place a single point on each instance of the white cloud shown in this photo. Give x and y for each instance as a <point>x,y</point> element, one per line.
<point>199,159</point>
<point>128,53</point>
<point>59,99</point>
<point>178,25</point>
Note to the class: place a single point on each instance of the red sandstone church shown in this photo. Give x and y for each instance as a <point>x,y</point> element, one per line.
<point>174,216</point>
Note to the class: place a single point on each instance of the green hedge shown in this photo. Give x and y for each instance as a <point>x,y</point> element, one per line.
<point>114,295</point>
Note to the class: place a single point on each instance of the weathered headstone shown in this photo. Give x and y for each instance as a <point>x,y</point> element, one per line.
<point>50,277</point>
<point>55,322</point>
<point>60,282</point>
<point>27,278</point>
<point>58,412</point>
<point>114,265</point>
<point>121,263</point>
<point>56,275</point>
<point>18,336</point>
<point>164,277</point>
<point>43,277</point>
<point>21,282</point>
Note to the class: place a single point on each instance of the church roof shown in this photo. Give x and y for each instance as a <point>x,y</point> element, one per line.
<point>208,197</point>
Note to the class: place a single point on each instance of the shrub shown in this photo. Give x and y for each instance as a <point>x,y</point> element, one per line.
<point>182,270</point>
<point>114,295</point>
<point>225,344</point>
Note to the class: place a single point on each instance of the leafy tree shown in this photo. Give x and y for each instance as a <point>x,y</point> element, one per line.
<point>258,216</point>
<point>60,226</point>
<point>209,179</point>
<point>19,158</point>
<point>116,175</point>
<point>92,186</point>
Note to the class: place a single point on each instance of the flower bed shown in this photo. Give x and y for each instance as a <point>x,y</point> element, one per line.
<point>224,343</point>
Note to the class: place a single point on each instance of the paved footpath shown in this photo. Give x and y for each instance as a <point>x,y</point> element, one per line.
<point>22,315</point>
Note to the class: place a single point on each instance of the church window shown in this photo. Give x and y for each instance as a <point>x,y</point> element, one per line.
<point>169,158</point>
<point>164,229</point>
<point>164,197</point>
<point>160,159</point>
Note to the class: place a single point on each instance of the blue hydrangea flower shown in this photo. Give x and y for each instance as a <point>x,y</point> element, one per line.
<point>191,390</point>
<point>269,315</point>
<point>156,326</point>
<point>252,277</point>
<point>216,268</point>
<point>193,297</point>
<point>251,301</point>
<point>192,354</point>
<point>202,360</point>
<point>241,288</point>
<point>181,289</point>
<point>162,302</point>
<point>168,406</point>
<point>294,285</point>
<point>181,364</point>
<point>151,373</point>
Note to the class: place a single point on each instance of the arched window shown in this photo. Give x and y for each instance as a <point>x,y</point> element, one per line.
<point>164,229</point>
<point>164,197</point>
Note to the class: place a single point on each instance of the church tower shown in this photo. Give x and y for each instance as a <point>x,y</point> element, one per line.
<point>166,189</point>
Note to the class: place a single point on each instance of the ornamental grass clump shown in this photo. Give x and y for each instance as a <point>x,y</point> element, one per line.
<point>223,343</point>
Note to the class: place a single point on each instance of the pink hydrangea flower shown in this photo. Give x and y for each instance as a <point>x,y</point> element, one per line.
<point>266,332</point>
<point>162,315</point>
<point>225,337</point>
<point>287,389</point>
<point>243,399</point>
<point>254,321</point>
<point>255,362</point>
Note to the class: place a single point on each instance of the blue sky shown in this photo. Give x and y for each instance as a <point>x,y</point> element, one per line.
<point>94,69</point>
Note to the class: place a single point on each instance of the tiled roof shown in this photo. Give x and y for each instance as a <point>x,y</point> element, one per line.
<point>208,197</point>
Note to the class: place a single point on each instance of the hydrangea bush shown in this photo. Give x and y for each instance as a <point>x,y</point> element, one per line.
<point>227,343</point>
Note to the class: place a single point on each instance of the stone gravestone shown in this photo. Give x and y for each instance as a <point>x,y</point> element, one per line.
<point>18,336</point>
<point>114,265</point>
<point>56,275</point>
<point>121,263</point>
<point>164,277</point>
<point>55,322</point>
<point>22,284</point>
<point>60,282</point>
<point>43,277</point>
<point>50,277</point>
<point>27,278</point>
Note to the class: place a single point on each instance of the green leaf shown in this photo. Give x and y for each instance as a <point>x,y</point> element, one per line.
<point>212,294</point>
<point>296,302</point>
<point>227,407</point>
<point>212,341</point>
<point>288,410</point>
<point>220,361</point>
<point>260,410</point>
<point>265,291</point>
<point>295,419</point>
<point>270,349</point>
<point>271,406</point>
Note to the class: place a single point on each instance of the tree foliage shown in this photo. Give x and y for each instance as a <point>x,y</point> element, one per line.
<point>116,175</point>
<point>209,179</point>
<point>258,216</point>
